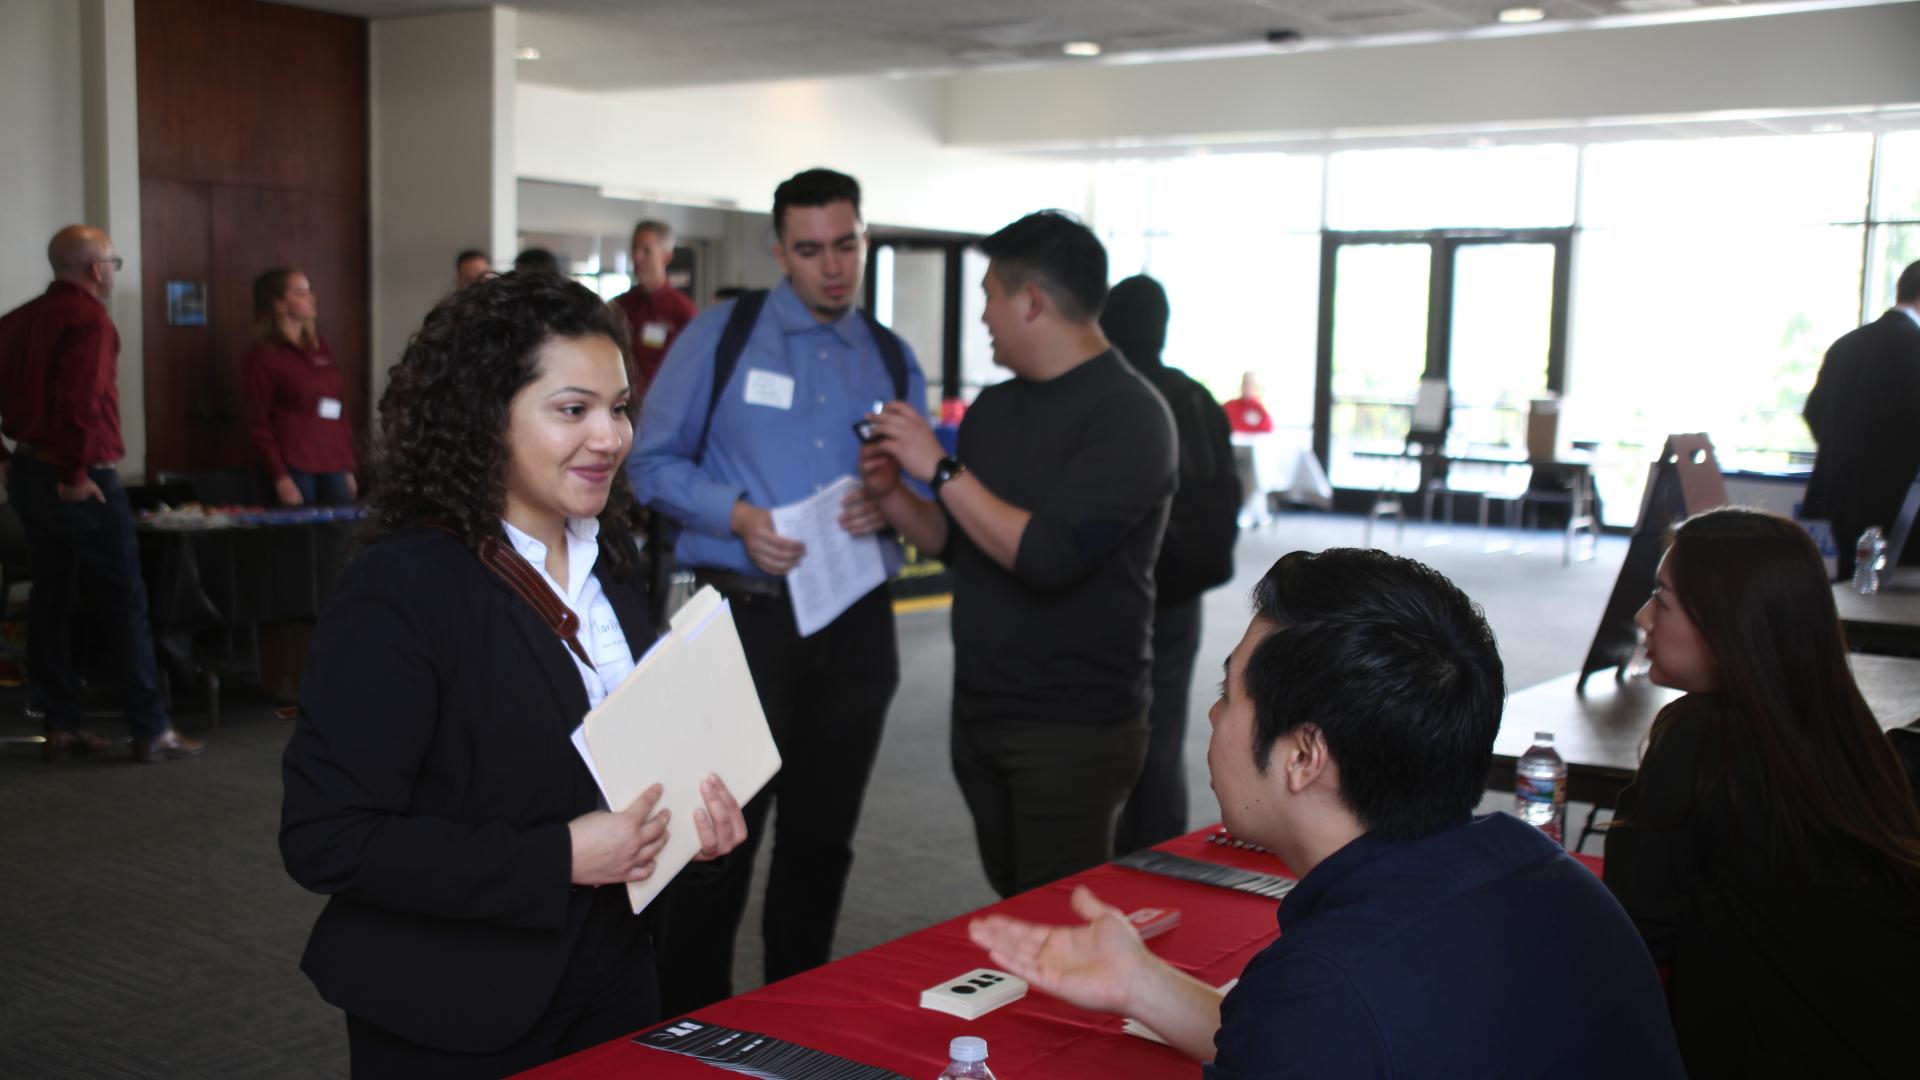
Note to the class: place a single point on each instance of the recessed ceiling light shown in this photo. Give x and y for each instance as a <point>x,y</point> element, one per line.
<point>526,52</point>
<point>1081,48</point>
<point>1520,15</point>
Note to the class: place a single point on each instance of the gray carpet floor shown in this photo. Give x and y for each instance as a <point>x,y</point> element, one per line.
<point>147,929</point>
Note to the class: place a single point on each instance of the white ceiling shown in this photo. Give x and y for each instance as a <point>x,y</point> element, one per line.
<point>611,44</point>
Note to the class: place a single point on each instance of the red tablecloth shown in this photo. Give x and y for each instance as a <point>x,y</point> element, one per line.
<point>867,1006</point>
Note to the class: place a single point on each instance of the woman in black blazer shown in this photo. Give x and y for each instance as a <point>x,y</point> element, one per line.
<point>477,921</point>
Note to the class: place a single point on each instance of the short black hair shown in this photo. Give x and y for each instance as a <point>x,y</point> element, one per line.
<point>814,187</point>
<point>1396,668</point>
<point>1135,320</point>
<point>1907,289</point>
<point>536,260</point>
<point>470,253</point>
<point>1055,251</point>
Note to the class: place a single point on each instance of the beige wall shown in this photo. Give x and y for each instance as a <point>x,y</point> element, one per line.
<point>43,171</point>
<point>73,154</point>
<point>731,145</point>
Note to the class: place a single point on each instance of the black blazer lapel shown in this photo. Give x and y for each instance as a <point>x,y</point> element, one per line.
<point>550,655</point>
<point>629,600</point>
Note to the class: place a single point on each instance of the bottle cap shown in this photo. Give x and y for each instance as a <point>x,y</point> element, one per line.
<point>1544,738</point>
<point>968,1048</point>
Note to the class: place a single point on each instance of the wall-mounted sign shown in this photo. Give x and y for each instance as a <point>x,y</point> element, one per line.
<point>186,303</point>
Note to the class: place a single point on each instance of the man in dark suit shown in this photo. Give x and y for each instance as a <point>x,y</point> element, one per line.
<point>1864,412</point>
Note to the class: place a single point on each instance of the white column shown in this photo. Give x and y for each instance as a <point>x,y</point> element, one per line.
<point>111,137</point>
<point>440,103</point>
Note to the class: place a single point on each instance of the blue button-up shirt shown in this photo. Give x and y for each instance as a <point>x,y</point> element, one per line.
<point>782,431</point>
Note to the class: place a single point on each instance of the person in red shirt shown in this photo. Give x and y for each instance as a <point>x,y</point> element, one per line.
<point>294,403</point>
<point>60,404</point>
<point>1245,414</point>
<point>656,311</point>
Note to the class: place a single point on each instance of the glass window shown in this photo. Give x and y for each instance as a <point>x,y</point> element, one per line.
<point>1770,179</point>
<point>1895,247</point>
<point>977,369</point>
<point>1494,187</point>
<point>1719,330</point>
<point>1234,239</point>
<point>1899,196</point>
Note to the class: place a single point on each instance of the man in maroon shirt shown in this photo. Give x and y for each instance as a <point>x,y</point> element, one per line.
<point>60,404</point>
<point>656,311</point>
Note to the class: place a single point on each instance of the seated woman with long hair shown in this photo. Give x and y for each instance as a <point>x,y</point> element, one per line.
<point>477,922</point>
<point>1769,848</point>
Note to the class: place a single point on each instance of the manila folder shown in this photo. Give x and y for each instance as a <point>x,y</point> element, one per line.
<point>688,709</point>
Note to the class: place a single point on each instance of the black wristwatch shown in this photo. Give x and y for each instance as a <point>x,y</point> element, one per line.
<point>944,470</point>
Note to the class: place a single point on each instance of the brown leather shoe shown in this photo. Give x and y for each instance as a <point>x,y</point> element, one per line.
<point>78,743</point>
<point>169,747</point>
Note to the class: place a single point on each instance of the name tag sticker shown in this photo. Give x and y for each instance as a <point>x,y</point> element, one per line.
<point>653,335</point>
<point>769,388</point>
<point>609,640</point>
<point>329,408</point>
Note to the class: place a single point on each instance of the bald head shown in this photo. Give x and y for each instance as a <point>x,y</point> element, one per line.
<point>83,255</point>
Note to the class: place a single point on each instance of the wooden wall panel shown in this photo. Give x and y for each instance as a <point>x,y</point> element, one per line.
<point>253,154</point>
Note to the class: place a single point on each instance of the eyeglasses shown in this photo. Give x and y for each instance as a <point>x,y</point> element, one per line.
<point>116,262</point>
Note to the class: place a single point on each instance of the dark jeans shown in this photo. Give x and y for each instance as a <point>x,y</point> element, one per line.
<point>1157,809</point>
<point>85,550</point>
<point>1044,795</point>
<point>607,991</point>
<point>826,699</point>
<point>321,489</point>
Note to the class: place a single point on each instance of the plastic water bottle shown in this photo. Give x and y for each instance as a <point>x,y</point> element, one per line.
<point>1540,788</point>
<point>1869,561</point>
<point>967,1057</point>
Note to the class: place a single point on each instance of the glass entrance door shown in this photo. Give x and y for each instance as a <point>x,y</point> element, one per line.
<point>1499,345</point>
<point>1380,315</point>
<point>1483,311</point>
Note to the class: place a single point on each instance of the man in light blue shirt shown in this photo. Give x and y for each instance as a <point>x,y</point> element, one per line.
<point>781,430</point>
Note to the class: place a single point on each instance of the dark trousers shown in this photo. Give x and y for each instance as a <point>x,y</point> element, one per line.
<point>1044,795</point>
<point>826,699</point>
<point>85,551</point>
<point>1157,809</point>
<point>608,991</point>
<point>321,489</point>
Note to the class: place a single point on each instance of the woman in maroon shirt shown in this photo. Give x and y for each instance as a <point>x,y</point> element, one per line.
<point>295,412</point>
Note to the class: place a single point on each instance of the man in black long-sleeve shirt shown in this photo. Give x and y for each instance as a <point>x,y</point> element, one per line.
<point>1051,519</point>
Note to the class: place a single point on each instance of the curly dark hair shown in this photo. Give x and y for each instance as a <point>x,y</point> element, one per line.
<point>443,451</point>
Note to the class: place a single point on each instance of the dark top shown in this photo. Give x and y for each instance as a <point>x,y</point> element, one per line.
<point>429,782</point>
<point>1481,950</point>
<point>295,414</point>
<point>1787,971</point>
<point>1065,635</point>
<point>654,319</point>
<point>59,366</point>
<point>1203,522</point>
<point>1861,411</point>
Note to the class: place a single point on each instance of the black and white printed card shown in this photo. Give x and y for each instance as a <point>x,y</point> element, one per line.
<point>755,1054</point>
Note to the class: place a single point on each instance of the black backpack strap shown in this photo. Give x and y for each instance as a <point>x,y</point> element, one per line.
<point>893,352</point>
<point>726,357</point>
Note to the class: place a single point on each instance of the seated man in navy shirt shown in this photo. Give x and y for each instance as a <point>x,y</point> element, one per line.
<point>1353,736</point>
